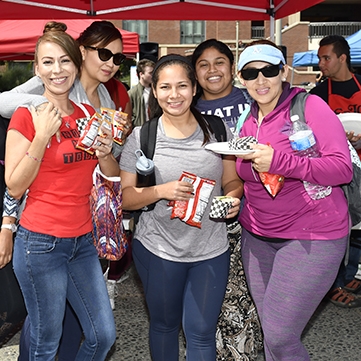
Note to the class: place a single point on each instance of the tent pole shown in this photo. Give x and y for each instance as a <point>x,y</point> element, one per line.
<point>272,20</point>
<point>237,46</point>
<point>278,32</point>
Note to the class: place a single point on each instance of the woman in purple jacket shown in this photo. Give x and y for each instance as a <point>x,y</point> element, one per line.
<point>292,246</point>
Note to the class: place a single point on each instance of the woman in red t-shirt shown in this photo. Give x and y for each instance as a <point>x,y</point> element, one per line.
<point>54,257</point>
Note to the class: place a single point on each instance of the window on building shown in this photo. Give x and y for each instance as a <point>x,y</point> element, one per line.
<point>137,26</point>
<point>257,29</point>
<point>192,32</point>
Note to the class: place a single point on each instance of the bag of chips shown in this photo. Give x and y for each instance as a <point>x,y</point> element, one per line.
<point>113,116</point>
<point>88,136</point>
<point>191,211</point>
<point>272,182</point>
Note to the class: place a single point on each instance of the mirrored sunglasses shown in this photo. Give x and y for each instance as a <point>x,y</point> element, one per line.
<point>106,54</point>
<point>268,71</point>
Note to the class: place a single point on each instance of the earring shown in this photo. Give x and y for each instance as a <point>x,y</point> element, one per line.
<point>284,79</point>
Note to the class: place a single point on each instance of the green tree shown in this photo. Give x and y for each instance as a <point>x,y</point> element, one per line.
<point>14,75</point>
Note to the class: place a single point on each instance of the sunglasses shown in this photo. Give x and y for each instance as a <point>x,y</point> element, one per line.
<point>268,71</point>
<point>106,54</point>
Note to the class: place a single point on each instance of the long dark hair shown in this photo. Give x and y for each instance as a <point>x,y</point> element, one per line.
<point>155,110</point>
<point>100,33</point>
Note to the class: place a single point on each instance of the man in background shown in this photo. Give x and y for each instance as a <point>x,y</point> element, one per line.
<point>139,94</point>
<point>342,91</point>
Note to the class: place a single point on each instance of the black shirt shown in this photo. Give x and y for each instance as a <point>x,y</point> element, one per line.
<point>344,88</point>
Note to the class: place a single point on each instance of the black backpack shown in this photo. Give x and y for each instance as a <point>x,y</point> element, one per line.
<point>148,137</point>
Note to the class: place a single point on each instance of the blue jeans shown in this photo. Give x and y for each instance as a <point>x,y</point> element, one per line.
<point>182,293</point>
<point>69,342</point>
<point>51,270</point>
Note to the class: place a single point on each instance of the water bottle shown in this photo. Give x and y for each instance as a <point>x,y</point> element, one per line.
<point>144,165</point>
<point>304,144</point>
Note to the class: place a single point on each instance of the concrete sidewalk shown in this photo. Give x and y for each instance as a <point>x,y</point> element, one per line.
<point>333,334</point>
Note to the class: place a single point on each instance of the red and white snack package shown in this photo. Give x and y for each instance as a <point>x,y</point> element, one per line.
<point>272,182</point>
<point>113,116</point>
<point>191,211</point>
<point>88,137</point>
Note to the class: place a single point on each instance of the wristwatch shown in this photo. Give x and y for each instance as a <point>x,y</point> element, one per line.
<point>11,226</point>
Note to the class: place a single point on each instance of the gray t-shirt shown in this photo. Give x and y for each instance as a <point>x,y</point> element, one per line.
<point>173,239</point>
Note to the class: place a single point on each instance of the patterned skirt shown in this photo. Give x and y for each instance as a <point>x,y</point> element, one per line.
<point>239,335</point>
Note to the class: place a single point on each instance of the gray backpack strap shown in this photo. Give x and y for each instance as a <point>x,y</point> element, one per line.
<point>298,105</point>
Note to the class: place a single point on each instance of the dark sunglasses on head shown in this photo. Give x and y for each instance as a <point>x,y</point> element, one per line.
<point>106,54</point>
<point>268,71</point>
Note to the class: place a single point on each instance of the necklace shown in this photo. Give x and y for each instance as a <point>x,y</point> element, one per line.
<point>67,124</point>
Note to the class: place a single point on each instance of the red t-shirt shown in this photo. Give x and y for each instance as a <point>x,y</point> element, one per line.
<point>118,93</point>
<point>58,199</point>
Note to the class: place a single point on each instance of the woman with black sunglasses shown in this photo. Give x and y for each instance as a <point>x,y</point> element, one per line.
<point>292,245</point>
<point>101,48</point>
<point>101,45</point>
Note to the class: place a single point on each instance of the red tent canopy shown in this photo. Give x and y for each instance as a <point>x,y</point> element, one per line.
<point>152,10</point>
<point>18,38</point>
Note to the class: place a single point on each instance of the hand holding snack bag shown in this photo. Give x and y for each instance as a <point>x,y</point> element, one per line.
<point>191,211</point>
<point>89,132</point>
<point>118,119</point>
<point>89,129</point>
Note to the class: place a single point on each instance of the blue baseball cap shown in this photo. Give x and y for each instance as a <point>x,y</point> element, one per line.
<point>261,52</point>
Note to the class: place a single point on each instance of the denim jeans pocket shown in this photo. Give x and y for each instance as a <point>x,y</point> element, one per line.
<point>36,243</point>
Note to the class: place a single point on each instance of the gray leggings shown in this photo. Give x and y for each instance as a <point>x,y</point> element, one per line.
<point>287,281</point>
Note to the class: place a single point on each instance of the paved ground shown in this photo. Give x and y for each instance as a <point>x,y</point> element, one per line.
<point>333,334</point>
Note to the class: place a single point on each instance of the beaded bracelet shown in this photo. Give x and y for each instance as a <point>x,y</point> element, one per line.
<point>34,158</point>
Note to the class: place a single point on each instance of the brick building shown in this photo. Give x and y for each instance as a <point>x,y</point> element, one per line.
<point>298,32</point>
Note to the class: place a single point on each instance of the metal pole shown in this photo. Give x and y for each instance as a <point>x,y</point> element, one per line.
<point>237,47</point>
<point>272,20</point>
<point>278,32</point>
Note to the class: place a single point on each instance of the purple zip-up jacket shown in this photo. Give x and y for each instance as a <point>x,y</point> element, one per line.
<point>292,214</point>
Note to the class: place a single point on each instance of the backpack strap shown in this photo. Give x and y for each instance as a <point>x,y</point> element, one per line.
<point>148,137</point>
<point>217,127</point>
<point>242,118</point>
<point>298,105</point>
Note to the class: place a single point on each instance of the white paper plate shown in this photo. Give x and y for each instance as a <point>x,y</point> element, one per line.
<point>351,122</point>
<point>223,148</point>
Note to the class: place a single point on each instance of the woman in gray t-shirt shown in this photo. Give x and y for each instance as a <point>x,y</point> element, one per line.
<point>183,268</point>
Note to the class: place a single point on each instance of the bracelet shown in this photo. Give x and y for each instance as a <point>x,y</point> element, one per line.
<point>34,158</point>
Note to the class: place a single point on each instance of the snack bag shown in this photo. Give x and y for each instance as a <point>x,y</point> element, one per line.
<point>191,211</point>
<point>113,117</point>
<point>272,182</point>
<point>88,137</point>
<point>220,206</point>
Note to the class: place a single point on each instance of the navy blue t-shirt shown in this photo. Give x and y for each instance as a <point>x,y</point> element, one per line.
<point>229,108</point>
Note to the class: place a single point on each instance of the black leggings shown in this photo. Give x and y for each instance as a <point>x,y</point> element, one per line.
<point>182,293</point>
